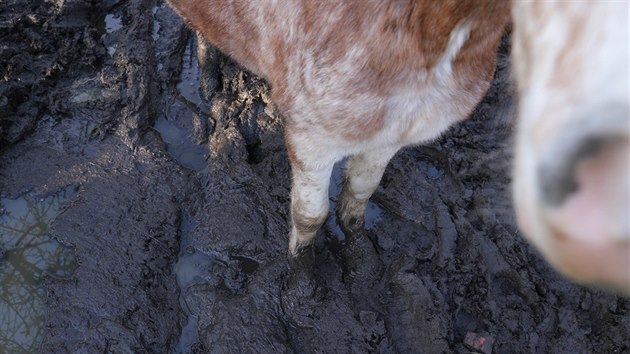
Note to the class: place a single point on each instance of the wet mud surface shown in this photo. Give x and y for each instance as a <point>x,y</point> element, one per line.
<point>154,170</point>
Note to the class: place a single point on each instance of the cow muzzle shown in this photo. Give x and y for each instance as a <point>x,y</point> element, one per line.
<point>581,215</point>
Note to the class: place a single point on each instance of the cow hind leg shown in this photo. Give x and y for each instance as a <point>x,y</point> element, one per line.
<point>362,175</point>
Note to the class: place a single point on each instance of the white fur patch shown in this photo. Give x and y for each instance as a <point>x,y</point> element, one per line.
<point>459,36</point>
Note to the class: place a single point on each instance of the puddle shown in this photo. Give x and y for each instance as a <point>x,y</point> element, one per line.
<point>180,146</point>
<point>434,173</point>
<point>112,23</point>
<point>111,50</point>
<point>29,254</point>
<point>188,268</point>
<point>191,265</point>
<point>188,338</point>
<point>175,123</point>
<point>336,179</point>
<point>190,78</point>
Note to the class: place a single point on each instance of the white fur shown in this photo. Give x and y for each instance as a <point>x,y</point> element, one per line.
<point>416,113</point>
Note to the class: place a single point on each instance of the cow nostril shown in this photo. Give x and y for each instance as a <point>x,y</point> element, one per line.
<point>558,174</point>
<point>586,138</point>
<point>589,198</point>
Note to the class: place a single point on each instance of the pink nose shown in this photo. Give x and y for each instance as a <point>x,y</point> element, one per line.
<point>589,213</point>
<point>596,209</point>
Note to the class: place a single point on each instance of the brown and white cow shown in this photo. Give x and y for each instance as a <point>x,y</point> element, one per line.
<point>363,78</point>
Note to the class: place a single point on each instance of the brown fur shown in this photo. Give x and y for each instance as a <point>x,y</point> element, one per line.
<point>412,35</point>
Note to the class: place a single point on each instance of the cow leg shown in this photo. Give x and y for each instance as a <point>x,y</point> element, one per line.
<point>361,178</point>
<point>311,169</point>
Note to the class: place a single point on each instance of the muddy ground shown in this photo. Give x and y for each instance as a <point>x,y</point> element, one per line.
<point>169,186</point>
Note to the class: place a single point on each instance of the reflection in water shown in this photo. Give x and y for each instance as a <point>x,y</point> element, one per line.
<point>28,253</point>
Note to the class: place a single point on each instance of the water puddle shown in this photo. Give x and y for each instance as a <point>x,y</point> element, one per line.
<point>190,78</point>
<point>175,124</point>
<point>180,145</point>
<point>434,173</point>
<point>188,338</point>
<point>112,23</point>
<point>111,50</point>
<point>28,254</point>
<point>191,266</point>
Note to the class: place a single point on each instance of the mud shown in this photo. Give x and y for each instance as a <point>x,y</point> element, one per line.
<point>178,220</point>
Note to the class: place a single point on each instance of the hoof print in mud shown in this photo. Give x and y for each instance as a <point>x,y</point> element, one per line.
<point>302,292</point>
<point>361,261</point>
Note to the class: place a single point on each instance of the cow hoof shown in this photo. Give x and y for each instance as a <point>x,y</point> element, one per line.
<point>350,213</point>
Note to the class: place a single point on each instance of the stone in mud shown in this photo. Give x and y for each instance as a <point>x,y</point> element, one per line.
<point>479,343</point>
